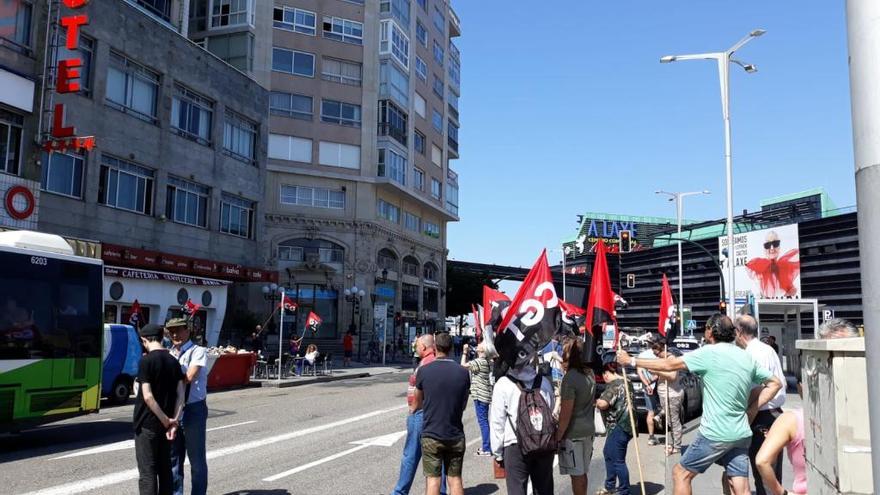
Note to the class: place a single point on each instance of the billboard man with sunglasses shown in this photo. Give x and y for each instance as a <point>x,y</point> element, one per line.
<point>775,274</point>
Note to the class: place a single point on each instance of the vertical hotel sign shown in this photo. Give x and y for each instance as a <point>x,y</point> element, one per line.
<point>64,138</point>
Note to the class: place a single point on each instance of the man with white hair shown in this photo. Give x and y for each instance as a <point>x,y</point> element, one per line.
<point>837,328</point>
<point>481,391</point>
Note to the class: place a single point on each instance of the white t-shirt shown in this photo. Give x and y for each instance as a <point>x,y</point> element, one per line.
<point>310,357</point>
<point>647,354</point>
<point>767,358</point>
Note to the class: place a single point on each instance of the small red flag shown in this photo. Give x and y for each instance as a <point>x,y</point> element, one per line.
<point>135,318</point>
<point>190,308</point>
<point>600,308</point>
<point>667,308</point>
<point>494,303</point>
<point>313,322</point>
<point>288,304</point>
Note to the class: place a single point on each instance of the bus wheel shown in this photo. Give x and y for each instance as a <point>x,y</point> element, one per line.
<point>121,391</point>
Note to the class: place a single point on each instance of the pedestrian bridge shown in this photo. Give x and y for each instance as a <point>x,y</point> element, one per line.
<point>502,272</point>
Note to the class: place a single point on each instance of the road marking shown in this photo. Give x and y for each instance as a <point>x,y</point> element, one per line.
<point>380,441</point>
<point>129,444</point>
<point>132,474</point>
<point>72,423</point>
<point>230,426</point>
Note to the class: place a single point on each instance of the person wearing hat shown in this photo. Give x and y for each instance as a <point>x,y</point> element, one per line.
<point>190,441</point>
<point>157,409</point>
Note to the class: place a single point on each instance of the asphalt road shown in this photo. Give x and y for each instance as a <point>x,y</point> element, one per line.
<point>335,438</point>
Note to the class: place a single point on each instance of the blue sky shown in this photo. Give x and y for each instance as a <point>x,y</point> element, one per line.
<point>567,109</point>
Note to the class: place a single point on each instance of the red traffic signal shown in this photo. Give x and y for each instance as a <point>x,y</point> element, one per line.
<point>625,238</point>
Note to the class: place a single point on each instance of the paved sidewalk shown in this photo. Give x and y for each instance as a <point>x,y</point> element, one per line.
<point>356,370</point>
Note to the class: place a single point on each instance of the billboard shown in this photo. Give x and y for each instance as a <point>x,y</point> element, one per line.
<point>766,263</point>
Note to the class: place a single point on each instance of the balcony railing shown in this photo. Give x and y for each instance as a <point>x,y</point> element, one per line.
<point>454,23</point>
<point>453,144</point>
<point>453,112</point>
<point>397,133</point>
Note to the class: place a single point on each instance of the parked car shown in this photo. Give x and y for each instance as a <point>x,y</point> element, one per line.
<point>122,354</point>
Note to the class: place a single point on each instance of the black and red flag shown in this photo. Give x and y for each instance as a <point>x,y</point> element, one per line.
<point>135,318</point>
<point>313,322</point>
<point>532,319</point>
<point>494,305</point>
<point>190,309</point>
<point>573,318</point>
<point>287,303</point>
<point>600,306</point>
<point>666,322</point>
<point>478,326</point>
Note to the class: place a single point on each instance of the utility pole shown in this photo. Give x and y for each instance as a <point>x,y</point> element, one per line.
<point>863,35</point>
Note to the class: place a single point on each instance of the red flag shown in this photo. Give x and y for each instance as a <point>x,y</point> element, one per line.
<point>190,308</point>
<point>667,308</point>
<point>135,318</point>
<point>600,307</point>
<point>530,322</point>
<point>313,322</point>
<point>494,304</point>
<point>572,317</point>
<point>288,304</point>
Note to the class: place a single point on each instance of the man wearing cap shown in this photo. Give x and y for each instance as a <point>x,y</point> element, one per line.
<point>190,441</point>
<point>157,410</point>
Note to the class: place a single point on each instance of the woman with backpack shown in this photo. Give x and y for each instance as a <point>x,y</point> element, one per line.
<point>576,416</point>
<point>523,432</point>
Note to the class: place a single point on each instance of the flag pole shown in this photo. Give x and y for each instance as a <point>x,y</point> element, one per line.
<point>280,333</point>
<point>632,422</point>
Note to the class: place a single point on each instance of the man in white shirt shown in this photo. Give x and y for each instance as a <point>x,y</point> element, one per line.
<point>649,382</point>
<point>765,357</point>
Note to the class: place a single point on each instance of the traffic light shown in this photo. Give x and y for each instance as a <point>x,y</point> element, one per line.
<point>631,280</point>
<point>722,307</point>
<point>625,241</point>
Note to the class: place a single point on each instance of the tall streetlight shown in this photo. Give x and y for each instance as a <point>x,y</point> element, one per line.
<point>354,296</point>
<point>724,59</point>
<point>678,197</point>
<point>566,251</point>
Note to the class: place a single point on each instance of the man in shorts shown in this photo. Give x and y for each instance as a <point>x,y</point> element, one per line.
<point>442,391</point>
<point>728,373</point>
<point>649,382</point>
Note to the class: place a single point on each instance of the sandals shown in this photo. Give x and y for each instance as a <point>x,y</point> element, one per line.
<point>672,451</point>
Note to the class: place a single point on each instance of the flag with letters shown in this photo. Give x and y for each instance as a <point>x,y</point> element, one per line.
<point>313,322</point>
<point>288,304</point>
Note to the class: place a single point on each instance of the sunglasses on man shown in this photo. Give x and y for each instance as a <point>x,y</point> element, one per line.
<point>771,244</point>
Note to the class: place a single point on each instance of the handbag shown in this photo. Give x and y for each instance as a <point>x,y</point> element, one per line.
<point>599,423</point>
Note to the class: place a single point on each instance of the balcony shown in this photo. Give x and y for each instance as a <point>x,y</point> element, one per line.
<point>453,112</point>
<point>453,147</point>
<point>393,131</point>
<point>454,24</point>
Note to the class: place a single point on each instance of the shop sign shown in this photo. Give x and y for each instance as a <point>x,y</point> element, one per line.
<point>112,271</point>
<point>141,258</point>
<point>18,202</point>
<point>67,80</point>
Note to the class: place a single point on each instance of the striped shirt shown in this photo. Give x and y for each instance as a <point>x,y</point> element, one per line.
<point>481,389</point>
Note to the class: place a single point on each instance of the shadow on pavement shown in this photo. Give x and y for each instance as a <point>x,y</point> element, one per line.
<point>57,439</point>
<point>483,489</point>
<point>650,488</point>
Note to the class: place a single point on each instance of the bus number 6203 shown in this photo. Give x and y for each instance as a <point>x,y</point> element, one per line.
<point>39,260</point>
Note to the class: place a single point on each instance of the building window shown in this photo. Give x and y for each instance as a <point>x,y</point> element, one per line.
<point>430,299</point>
<point>392,121</point>
<point>431,229</point>
<point>439,20</point>
<point>239,137</point>
<point>231,13</point>
<point>452,198</point>
<point>344,30</point>
<point>290,148</point>
<point>161,8</point>
<point>293,62</point>
<point>290,253</point>
<point>392,166</point>
<point>423,4</point>
<point>393,40</point>
<point>387,260</point>
<point>316,197</point>
<point>338,112</point>
<point>290,105</point>
<point>296,20</point>
<point>409,297</point>
<point>10,141</point>
<point>422,34</point>
<point>421,69</point>
<point>436,188</point>
<point>63,174</point>
<point>438,88</point>
<point>438,53</point>
<point>410,266</point>
<point>131,87</point>
<point>437,120</point>
<point>436,155</point>
<point>420,105</point>
<point>339,155</point>
<point>125,185</point>
<point>85,52</point>
<point>452,135</point>
<point>388,211</point>
<point>412,222</point>
<point>393,83</point>
<point>236,216</point>
<point>431,273</point>
<point>398,8</point>
<point>15,21</point>
<point>235,49</point>
<point>341,71</point>
<point>191,115</point>
<point>418,179</point>
<point>187,202</point>
<point>419,141</point>
<point>454,68</point>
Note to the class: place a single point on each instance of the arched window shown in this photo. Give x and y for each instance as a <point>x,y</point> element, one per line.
<point>411,266</point>
<point>387,260</point>
<point>306,249</point>
<point>431,273</point>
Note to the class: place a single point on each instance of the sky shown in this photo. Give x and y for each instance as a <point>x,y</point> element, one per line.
<point>566,109</point>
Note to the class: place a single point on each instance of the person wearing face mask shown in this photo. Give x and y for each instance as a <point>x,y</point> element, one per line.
<point>519,468</point>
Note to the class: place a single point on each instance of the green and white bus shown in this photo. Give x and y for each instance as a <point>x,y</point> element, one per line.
<point>51,328</point>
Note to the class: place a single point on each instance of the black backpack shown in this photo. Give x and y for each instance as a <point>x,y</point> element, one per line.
<point>535,428</point>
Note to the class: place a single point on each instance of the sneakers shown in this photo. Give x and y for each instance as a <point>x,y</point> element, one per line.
<point>482,453</point>
<point>652,441</point>
<point>605,491</point>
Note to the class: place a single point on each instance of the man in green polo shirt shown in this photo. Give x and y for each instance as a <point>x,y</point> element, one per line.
<point>728,373</point>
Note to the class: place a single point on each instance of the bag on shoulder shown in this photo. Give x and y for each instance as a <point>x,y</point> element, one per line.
<point>535,428</point>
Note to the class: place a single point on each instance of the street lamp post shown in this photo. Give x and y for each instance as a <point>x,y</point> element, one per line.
<point>678,197</point>
<point>354,296</point>
<point>724,59</point>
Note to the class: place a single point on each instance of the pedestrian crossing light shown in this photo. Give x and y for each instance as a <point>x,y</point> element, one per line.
<point>625,241</point>
<point>631,280</point>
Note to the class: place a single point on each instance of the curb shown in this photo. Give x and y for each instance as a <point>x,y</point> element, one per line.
<point>320,379</point>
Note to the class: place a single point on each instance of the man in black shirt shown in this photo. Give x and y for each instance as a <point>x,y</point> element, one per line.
<point>442,389</point>
<point>157,410</point>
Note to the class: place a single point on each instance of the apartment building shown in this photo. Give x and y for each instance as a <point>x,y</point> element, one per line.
<point>172,194</point>
<point>363,125</point>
